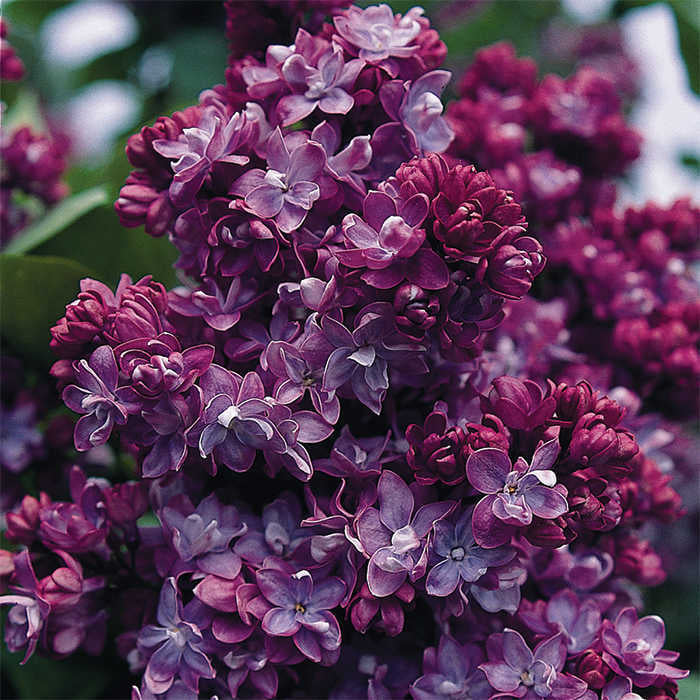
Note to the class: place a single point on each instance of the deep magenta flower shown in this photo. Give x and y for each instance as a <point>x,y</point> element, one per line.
<point>288,189</point>
<point>519,404</point>
<point>96,395</point>
<point>85,317</point>
<point>513,267</point>
<point>68,527</point>
<point>436,452</point>
<point>459,557</point>
<point>197,148</point>
<point>377,35</point>
<point>530,674</point>
<point>516,492</point>
<point>11,66</point>
<point>301,609</point>
<point>178,653</point>
<point>326,84</point>
<point>394,537</point>
<point>387,242</point>
<point>634,648</point>
<point>581,118</point>
<point>159,366</point>
<point>236,419</point>
<point>362,358</point>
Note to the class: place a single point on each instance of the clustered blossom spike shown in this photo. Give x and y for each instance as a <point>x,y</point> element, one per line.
<point>369,458</point>
<point>32,163</point>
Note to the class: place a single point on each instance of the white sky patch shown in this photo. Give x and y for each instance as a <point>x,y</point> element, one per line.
<point>100,113</point>
<point>667,113</point>
<point>79,33</point>
<point>587,11</point>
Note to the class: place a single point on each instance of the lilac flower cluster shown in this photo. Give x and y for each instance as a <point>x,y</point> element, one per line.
<point>628,312</point>
<point>342,490</point>
<point>32,164</point>
<point>11,66</point>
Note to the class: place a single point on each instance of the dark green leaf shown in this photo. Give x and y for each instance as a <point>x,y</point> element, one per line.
<point>41,678</point>
<point>33,295</point>
<point>101,243</point>
<point>689,687</point>
<point>56,220</point>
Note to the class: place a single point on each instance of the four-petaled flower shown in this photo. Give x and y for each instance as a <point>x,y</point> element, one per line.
<point>325,85</point>
<point>516,492</point>
<point>236,419</point>
<point>521,673</point>
<point>301,609</point>
<point>394,538</point>
<point>361,358</point>
<point>451,672</point>
<point>461,559</point>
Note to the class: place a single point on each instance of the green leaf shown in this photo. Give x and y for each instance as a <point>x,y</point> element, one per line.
<point>57,219</point>
<point>40,678</point>
<point>98,241</point>
<point>34,292</point>
<point>25,111</point>
<point>689,687</point>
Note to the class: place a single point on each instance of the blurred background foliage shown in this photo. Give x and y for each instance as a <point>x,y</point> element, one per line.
<point>147,58</point>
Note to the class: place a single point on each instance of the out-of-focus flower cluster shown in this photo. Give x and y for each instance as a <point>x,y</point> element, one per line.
<point>621,291</point>
<point>345,455</point>
<point>31,164</point>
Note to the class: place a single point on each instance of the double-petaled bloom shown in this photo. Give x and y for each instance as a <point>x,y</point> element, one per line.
<point>96,395</point>
<point>287,190</point>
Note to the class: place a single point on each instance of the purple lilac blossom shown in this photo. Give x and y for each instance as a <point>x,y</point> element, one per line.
<point>97,397</point>
<point>394,537</point>
<point>460,558</point>
<point>633,648</point>
<point>301,609</point>
<point>531,674</point>
<point>377,35</point>
<point>347,276</point>
<point>516,492</point>
<point>451,671</point>
<point>287,190</point>
<point>325,85</point>
<point>362,358</point>
<point>236,420</point>
<point>178,653</point>
<point>198,148</point>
